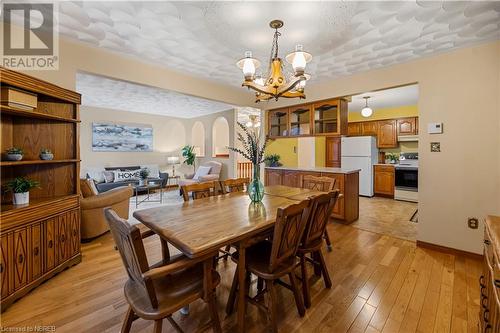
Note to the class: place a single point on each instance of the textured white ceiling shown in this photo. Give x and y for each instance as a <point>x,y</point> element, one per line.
<point>114,94</point>
<point>388,98</point>
<point>207,38</point>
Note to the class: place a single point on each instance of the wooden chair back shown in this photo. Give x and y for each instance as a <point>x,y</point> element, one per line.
<point>321,210</point>
<point>129,243</point>
<point>234,185</point>
<point>288,230</point>
<point>323,184</point>
<point>199,190</point>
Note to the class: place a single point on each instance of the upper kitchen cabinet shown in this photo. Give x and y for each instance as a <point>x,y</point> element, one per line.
<point>407,126</point>
<point>330,117</point>
<point>300,120</point>
<point>354,129</point>
<point>278,123</point>
<point>369,128</point>
<point>387,134</point>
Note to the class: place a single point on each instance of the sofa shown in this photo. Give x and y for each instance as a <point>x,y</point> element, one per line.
<point>102,186</point>
<point>92,204</point>
<point>213,174</point>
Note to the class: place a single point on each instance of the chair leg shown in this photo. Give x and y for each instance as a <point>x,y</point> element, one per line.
<point>317,266</point>
<point>260,285</point>
<point>324,270</point>
<point>297,294</point>
<point>129,318</point>
<point>327,240</point>
<point>214,315</point>
<point>174,324</point>
<point>305,282</point>
<point>232,294</point>
<point>273,300</point>
<point>158,325</point>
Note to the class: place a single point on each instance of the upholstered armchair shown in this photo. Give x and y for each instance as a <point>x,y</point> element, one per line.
<point>213,174</point>
<point>92,203</point>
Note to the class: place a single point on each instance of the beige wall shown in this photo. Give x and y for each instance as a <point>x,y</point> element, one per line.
<point>460,89</point>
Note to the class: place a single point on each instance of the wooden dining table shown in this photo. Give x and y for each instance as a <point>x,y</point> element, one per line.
<point>199,228</point>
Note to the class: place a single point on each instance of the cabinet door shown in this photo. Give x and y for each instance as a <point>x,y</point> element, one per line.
<point>278,123</point>
<point>74,233</point>
<point>35,257</point>
<point>332,146</point>
<point>19,258</point>
<point>387,136</point>
<point>50,243</point>
<point>327,117</point>
<point>406,126</point>
<point>292,178</point>
<point>369,128</point>
<point>273,177</point>
<point>5,262</point>
<point>354,129</point>
<point>300,120</point>
<point>383,180</point>
<point>62,238</point>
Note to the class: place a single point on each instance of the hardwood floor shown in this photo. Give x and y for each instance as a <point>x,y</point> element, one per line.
<point>380,284</point>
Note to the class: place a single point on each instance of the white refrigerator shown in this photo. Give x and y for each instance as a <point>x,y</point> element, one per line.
<point>360,152</point>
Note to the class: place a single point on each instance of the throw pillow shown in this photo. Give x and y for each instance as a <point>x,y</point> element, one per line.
<point>109,176</point>
<point>96,174</point>
<point>87,187</point>
<point>121,176</point>
<point>202,171</point>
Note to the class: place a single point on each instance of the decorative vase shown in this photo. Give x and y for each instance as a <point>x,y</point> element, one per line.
<point>21,198</point>
<point>256,188</point>
<point>47,157</point>
<point>14,157</point>
<point>141,182</point>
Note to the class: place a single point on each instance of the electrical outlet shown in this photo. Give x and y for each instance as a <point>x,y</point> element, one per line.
<point>473,222</point>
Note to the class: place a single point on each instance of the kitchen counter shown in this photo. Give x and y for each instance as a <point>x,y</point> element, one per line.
<point>317,169</point>
<point>385,164</point>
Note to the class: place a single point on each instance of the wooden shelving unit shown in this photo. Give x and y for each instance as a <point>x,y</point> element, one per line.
<point>42,238</point>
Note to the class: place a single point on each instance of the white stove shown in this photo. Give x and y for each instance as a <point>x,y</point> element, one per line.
<point>406,182</point>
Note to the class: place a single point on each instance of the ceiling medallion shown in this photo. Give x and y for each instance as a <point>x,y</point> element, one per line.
<point>275,83</point>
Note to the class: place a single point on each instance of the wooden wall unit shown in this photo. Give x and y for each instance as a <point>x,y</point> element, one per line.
<point>383,180</point>
<point>333,151</point>
<point>42,238</point>
<point>489,282</point>
<point>386,131</point>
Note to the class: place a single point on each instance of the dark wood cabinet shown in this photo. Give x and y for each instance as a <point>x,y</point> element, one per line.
<point>369,128</point>
<point>19,258</point>
<point>386,134</point>
<point>332,151</point>
<point>383,180</point>
<point>354,129</point>
<point>300,120</point>
<point>406,126</point>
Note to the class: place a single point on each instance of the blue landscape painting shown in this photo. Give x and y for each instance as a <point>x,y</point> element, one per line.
<point>122,137</point>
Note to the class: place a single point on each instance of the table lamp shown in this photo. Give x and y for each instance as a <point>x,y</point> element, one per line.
<point>173,160</point>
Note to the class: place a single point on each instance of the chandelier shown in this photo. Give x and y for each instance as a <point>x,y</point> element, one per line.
<point>276,84</point>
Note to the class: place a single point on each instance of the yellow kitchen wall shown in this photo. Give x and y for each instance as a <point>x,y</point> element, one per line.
<point>387,113</point>
<point>320,153</point>
<point>286,148</point>
<point>404,147</point>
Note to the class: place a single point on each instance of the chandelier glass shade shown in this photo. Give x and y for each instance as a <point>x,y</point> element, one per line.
<point>275,83</point>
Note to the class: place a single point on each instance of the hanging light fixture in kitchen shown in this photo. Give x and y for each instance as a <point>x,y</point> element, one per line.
<point>366,112</point>
<point>275,84</point>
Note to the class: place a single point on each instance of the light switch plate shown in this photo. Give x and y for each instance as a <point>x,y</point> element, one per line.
<point>435,147</point>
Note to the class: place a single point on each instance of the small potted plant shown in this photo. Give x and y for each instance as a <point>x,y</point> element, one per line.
<point>391,158</point>
<point>14,154</point>
<point>143,176</point>
<point>273,160</point>
<point>20,187</point>
<point>46,154</point>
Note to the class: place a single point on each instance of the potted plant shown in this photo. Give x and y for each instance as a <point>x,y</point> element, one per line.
<point>253,150</point>
<point>143,176</point>
<point>189,155</point>
<point>392,158</point>
<point>20,187</point>
<point>273,160</point>
<point>14,154</point>
<point>46,154</point>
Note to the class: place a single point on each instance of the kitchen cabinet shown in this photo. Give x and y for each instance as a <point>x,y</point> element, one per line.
<point>300,120</point>
<point>326,117</point>
<point>332,151</point>
<point>273,177</point>
<point>278,123</point>
<point>383,180</point>
<point>406,126</point>
<point>292,178</point>
<point>354,129</point>
<point>387,134</point>
<point>369,128</point>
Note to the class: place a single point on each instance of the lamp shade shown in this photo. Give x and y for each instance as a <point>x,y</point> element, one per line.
<point>366,112</point>
<point>173,160</point>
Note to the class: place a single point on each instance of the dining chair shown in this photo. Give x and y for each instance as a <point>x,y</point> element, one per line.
<point>234,185</point>
<point>199,190</point>
<point>272,260</point>
<point>312,240</point>
<point>323,184</point>
<point>156,292</point>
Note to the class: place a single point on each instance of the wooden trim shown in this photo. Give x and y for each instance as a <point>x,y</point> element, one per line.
<point>368,121</point>
<point>33,84</point>
<point>449,250</point>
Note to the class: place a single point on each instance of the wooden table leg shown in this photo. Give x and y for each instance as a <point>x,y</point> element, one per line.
<point>209,294</point>
<point>165,252</point>
<point>241,289</point>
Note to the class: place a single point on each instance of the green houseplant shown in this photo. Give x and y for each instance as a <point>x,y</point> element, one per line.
<point>273,160</point>
<point>189,155</point>
<point>253,150</point>
<point>46,154</point>
<point>393,158</point>
<point>143,176</point>
<point>14,154</point>
<point>20,187</point>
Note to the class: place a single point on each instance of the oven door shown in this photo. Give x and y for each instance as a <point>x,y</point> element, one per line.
<point>406,178</point>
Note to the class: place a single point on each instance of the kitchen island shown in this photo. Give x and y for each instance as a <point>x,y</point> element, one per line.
<point>347,181</point>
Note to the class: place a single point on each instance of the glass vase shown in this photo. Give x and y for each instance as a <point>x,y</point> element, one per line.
<point>256,188</point>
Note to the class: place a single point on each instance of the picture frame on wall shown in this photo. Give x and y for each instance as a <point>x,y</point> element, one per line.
<point>121,137</point>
